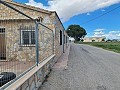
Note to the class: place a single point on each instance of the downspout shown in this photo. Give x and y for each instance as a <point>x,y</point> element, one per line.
<point>63,41</point>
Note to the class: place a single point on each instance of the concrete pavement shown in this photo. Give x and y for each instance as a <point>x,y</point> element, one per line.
<point>89,68</point>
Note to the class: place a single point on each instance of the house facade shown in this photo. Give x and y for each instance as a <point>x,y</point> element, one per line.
<point>94,39</point>
<point>18,47</point>
<point>17,33</point>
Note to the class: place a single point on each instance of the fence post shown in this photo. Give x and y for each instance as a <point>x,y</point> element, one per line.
<point>53,42</point>
<point>37,42</point>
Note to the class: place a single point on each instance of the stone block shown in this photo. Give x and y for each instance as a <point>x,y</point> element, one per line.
<point>25,85</point>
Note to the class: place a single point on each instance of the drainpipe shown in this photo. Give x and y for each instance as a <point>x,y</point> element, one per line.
<point>63,40</point>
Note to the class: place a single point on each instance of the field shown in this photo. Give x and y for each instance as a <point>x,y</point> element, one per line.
<point>112,46</point>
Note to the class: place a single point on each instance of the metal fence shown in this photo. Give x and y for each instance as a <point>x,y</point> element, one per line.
<point>46,42</point>
<point>24,43</point>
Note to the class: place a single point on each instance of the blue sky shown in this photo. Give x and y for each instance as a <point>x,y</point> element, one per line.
<point>80,11</point>
<point>106,23</point>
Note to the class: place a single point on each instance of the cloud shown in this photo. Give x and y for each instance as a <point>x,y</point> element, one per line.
<point>110,35</point>
<point>33,3</point>
<point>113,35</point>
<point>88,14</point>
<point>69,8</point>
<point>98,32</point>
<point>99,29</point>
<point>103,10</point>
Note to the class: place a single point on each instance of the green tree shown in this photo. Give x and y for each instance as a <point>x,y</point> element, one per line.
<point>76,32</point>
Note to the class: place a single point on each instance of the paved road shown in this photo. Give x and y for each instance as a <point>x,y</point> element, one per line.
<point>89,68</point>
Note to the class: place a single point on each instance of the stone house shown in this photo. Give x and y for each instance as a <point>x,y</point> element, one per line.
<point>17,33</point>
<point>94,39</point>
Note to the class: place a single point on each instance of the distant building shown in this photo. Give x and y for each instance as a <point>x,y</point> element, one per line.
<point>71,39</point>
<point>94,39</point>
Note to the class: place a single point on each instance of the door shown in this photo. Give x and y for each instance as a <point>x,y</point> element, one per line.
<point>2,44</point>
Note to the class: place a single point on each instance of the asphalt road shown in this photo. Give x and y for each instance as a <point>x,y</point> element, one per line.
<point>89,68</point>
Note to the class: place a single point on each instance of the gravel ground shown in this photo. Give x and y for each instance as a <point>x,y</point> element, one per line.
<point>89,68</point>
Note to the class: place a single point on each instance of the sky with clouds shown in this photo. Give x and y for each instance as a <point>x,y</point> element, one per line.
<point>80,11</point>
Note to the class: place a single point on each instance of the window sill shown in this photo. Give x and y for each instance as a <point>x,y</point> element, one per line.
<point>27,45</point>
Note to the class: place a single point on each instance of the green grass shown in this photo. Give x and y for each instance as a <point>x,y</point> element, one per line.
<point>112,46</point>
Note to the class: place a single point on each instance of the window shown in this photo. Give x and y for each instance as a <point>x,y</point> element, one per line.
<point>60,37</point>
<point>93,40</point>
<point>27,37</point>
<point>2,30</point>
<point>2,44</point>
<point>66,39</point>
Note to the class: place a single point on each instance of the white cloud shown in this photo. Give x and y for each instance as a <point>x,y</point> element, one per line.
<point>99,29</point>
<point>88,14</point>
<point>109,35</point>
<point>113,35</point>
<point>103,10</point>
<point>33,3</point>
<point>98,32</point>
<point>69,8</point>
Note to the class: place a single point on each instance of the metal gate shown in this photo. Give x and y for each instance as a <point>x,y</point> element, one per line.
<point>2,44</point>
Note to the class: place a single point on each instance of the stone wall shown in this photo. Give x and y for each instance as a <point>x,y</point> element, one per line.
<point>15,51</point>
<point>59,27</point>
<point>33,79</point>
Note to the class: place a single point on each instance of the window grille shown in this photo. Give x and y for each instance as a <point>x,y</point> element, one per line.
<point>2,30</point>
<point>27,37</point>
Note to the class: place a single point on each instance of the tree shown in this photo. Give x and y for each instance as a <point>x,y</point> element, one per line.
<point>76,32</point>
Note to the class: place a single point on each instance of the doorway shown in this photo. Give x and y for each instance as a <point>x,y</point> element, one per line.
<point>2,44</point>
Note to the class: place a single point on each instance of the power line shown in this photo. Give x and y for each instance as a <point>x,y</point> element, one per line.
<point>100,15</point>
